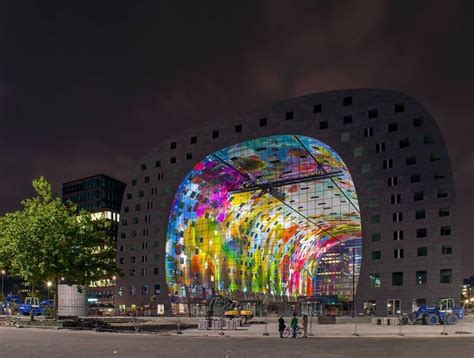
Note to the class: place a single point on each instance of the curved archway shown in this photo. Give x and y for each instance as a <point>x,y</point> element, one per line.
<point>272,216</point>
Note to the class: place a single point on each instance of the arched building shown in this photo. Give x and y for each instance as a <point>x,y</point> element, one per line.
<point>328,197</point>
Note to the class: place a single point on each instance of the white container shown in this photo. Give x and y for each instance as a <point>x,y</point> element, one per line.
<point>71,302</point>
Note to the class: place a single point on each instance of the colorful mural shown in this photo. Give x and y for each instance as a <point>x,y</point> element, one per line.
<point>273,216</point>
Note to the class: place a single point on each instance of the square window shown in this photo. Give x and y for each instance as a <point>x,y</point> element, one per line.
<point>365,168</point>
<point>375,219</point>
<point>387,164</point>
<point>317,108</point>
<point>189,156</point>
<point>172,145</point>
<point>434,157</point>
<point>427,139</point>
<point>397,217</point>
<point>410,160</point>
<point>345,137</point>
<point>398,253</point>
<point>421,277</point>
<point>398,235</point>
<point>134,182</point>
<point>380,147</point>
<point>376,255</point>
<point>157,164</point>
<point>420,214</point>
<point>395,199</point>
<point>347,101</point>
<point>368,132</point>
<point>156,271</point>
<point>358,152</point>
<point>421,233</point>
<point>323,125</point>
<point>415,178</point>
<point>194,140</point>
<point>376,236</point>
<point>238,128</point>
<point>418,122</point>
<point>418,196</point>
<point>399,107</point>
<point>397,278</point>
<point>446,250</point>
<point>263,122</point>
<point>173,160</point>
<point>404,143</point>
<point>392,181</point>
<point>445,276</point>
<point>392,127</point>
<point>445,230</point>
<point>422,251</point>
<point>289,115</point>
<point>215,134</point>
<point>440,193</point>
<point>374,279</point>
<point>373,203</point>
<point>143,167</point>
<point>373,113</point>
<point>347,119</point>
<point>443,212</point>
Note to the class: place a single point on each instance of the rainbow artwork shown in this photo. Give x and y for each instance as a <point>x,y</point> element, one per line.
<point>273,216</point>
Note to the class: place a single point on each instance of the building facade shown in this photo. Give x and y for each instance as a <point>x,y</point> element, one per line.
<point>346,195</point>
<point>102,196</point>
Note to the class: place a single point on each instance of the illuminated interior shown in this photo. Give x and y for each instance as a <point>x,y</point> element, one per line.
<point>270,217</point>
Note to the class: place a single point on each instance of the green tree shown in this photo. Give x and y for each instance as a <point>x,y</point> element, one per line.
<point>48,239</point>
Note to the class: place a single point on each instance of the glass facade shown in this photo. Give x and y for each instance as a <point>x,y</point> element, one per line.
<point>270,217</point>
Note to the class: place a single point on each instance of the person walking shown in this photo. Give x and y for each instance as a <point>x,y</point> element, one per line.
<point>305,326</point>
<point>281,326</point>
<point>294,324</point>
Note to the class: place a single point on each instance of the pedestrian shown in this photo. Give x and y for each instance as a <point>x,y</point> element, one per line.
<point>281,326</point>
<point>305,326</point>
<point>294,324</point>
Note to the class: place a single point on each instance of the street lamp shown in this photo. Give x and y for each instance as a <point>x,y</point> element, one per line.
<point>3,274</point>
<point>49,284</point>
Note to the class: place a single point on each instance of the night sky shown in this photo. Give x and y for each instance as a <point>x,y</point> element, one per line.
<point>91,86</point>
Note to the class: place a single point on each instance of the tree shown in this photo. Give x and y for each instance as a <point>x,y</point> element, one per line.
<point>48,239</point>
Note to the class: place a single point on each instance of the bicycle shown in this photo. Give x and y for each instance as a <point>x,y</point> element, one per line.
<point>288,332</point>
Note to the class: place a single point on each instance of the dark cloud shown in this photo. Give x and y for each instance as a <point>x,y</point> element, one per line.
<point>88,88</point>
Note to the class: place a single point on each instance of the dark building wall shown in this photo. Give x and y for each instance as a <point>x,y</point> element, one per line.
<point>376,116</point>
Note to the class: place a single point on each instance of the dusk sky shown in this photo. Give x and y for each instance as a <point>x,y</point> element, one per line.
<point>90,87</point>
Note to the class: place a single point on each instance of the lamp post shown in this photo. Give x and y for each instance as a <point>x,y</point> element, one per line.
<point>3,274</point>
<point>49,284</point>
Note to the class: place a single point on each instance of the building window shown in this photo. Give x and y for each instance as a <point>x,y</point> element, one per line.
<point>392,127</point>
<point>157,289</point>
<point>380,147</point>
<point>397,278</point>
<point>398,235</point>
<point>404,143</point>
<point>397,217</point>
<point>347,119</point>
<point>420,214</point>
<point>144,289</point>
<point>445,276</point>
<point>375,219</point>
<point>427,139</point>
<point>411,160</point>
<point>129,196</point>
<point>173,145</point>
<point>238,128</point>
<point>395,198</point>
<point>215,134</point>
<point>399,107</point>
<point>373,203</point>
<point>398,253</point>
<point>263,122</point>
<point>418,196</point>
<point>132,272</point>
<point>376,255</point>
<point>438,176</point>
<point>376,236</point>
<point>172,160</point>
<point>368,132</point>
<point>125,209</point>
<point>345,137</point>
<point>415,178</point>
<point>157,164</point>
<point>143,167</point>
<point>194,140</point>
<point>441,193</point>
<point>387,164</point>
<point>392,181</point>
<point>445,230</point>
<point>446,250</point>
<point>146,179</point>
<point>443,212</point>
<point>289,115</point>
<point>358,152</point>
<point>421,277</point>
<point>373,113</point>
<point>317,108</point>
<point>434,157</point>
<point>375,280</point>
<point>347,101</point>
<point>144,271</point>
<point>422,251</point>
<point>134,182</point>
<point>365,168</point>
<point>418,122</point>
<point>156,271</point>
<point>323,125</point>
<point>421,233</point>
<point>189,156</point>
